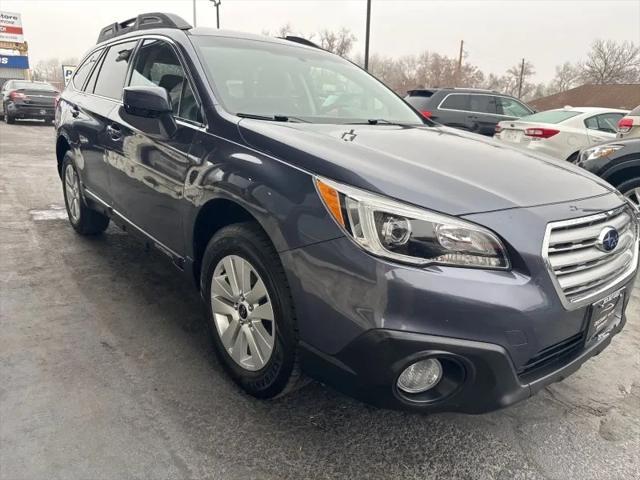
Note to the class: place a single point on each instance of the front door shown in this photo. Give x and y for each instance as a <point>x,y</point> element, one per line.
<point>148,174</point>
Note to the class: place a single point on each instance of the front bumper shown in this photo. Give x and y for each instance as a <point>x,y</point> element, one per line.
<point>362,320</point>
<point>368,369</point>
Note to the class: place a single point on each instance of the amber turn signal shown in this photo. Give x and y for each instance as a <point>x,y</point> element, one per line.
<point>331,199</point>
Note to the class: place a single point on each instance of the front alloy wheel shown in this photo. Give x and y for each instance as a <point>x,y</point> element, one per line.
<point>634,196</point>
<point>250,311</point>
<point>242,312</point>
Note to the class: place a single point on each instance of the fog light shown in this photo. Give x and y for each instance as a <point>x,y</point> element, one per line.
<point>420,376</point>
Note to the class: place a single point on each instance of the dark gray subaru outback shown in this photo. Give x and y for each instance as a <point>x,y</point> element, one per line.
<point>332,230</point>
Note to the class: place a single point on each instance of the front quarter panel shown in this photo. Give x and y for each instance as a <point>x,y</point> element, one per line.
<point>282,198</point>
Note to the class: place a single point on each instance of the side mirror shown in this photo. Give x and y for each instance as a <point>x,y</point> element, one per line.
<point>148,108</point>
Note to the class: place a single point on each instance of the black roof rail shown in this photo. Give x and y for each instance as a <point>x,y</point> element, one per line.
<point>302,41</point>
<point>143,22</point>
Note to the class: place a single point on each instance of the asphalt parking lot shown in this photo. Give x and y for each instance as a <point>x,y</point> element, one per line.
<point>106,372</point>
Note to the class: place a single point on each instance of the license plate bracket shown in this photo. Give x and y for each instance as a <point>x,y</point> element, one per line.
<point>605,315</point>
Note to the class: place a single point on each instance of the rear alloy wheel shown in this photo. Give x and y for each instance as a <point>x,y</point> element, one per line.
<point>83,219</point>
<point>72,193</point>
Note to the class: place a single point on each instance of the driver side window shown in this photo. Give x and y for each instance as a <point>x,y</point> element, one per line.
<point>157,64</point>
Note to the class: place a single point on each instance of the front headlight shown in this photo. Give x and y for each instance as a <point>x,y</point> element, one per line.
<point>407,234</point>
<point>600,151</point>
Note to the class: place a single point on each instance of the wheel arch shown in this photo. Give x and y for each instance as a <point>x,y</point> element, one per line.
<point>623,171</point>
<point>63,145</point>
<point>214,215</point>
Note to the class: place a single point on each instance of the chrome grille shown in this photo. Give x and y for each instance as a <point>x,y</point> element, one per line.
<point>580,270</point>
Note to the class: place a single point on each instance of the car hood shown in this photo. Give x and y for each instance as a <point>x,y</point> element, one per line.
<point>438,168</point>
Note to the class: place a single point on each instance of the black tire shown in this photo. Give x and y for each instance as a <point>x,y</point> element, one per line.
<point>89,222</point>
<point>627,186</point>
<point>573,158</point>
<point>281,373</point>
<point>10,119</point>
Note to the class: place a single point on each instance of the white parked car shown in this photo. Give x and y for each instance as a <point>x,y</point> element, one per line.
<point>629,126</point>
<point>563,132</point>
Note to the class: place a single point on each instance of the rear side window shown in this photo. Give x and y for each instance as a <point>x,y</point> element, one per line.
<point>113,71</point>
<point>482,103</point>
<point>607,122</point>
<point>456,101</point>
<point>511,107</point>
<point>83,70</point>
<point>551,116</point>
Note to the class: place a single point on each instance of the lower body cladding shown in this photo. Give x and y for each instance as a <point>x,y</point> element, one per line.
<point>473,340</point>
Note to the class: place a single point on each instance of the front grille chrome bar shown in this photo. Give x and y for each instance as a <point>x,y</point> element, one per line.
<point>579,269</point>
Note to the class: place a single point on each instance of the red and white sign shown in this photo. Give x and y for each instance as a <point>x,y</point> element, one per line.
<point>11,27</point>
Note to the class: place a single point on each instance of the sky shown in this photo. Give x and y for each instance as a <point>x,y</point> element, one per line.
<point>497,34</point>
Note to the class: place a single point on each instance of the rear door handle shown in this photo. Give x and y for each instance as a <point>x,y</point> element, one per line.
<point>114,132</point>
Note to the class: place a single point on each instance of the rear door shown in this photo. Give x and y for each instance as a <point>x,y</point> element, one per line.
<point>483,116</point>
<point>148,173</point>
<point>86,114</point>
<point>102,94</point>
<point>453,111</point>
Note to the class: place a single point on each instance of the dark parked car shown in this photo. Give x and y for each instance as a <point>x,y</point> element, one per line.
<point>23,99</point>
<point>617,162</point>
<point>474,110</point>
<point>332,230</point>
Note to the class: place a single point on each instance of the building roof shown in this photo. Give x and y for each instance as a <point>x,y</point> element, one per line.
<point>625,96</point>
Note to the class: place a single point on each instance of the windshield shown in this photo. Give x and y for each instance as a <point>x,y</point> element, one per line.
<point>268,79</point>
<point>32,86</point>
<point>551,116</point>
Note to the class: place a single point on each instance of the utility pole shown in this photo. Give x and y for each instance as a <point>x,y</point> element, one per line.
<point>459,69</point>
<point>194,13</point>
<point>216,3</point>
<point>366,41</point>
<point>521,79</point>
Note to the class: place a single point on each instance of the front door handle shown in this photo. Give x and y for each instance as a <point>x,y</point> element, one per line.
<point>114,132</point>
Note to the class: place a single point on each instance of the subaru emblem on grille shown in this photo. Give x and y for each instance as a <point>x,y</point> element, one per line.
<point>608,239</point>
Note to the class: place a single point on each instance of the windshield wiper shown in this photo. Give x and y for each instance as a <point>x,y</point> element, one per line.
<point>376,121</point>
<point>273,118</point>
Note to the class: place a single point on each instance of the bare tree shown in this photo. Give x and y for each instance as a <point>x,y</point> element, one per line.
<point>286,30</point>
<point>340,42</point>
<point>611,62</point>
<point>511,80</point>
<point>567,76</point>
<point>50,70</point>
